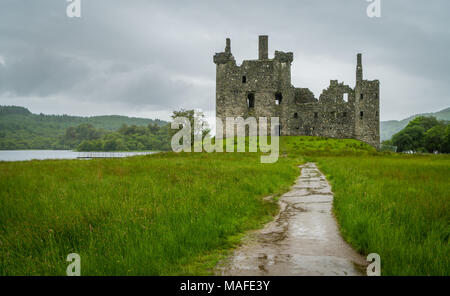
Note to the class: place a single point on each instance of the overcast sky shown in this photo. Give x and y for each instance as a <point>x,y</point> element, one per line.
<point>146,58</point>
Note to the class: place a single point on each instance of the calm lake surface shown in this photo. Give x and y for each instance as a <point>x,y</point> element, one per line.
<point>18,155</point>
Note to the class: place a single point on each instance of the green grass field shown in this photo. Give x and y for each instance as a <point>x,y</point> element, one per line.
<point>155,215</point>
<point>396,206</point>
<point>168,213</point>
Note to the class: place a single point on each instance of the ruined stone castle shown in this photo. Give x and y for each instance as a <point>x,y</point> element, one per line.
<point>262,88</point>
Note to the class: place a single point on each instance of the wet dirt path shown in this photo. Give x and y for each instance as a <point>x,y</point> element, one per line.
<point>303,239</point>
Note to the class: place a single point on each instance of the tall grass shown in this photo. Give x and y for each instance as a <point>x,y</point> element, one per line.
<point>150,215</point>
<point>396,206</point>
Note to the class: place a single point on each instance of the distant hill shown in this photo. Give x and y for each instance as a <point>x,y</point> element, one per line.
<point>391,127</point>
<point>21,129</point>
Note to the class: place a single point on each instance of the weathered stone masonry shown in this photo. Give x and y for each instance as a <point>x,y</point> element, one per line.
<point>262,88</point>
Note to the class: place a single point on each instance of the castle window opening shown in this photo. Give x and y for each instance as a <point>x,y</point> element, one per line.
<point>295,115</point>
<point>361,97</point>
<point>345,96</point>
<point>244,79</point>
<point>251,100</point>
<point>278,98</point>
<point>316,115</point>
<point>361,114</point>
<point>344,114</point>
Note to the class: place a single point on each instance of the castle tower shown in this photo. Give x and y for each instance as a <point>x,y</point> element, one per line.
<point>367,108</point>
<point>256,88</point>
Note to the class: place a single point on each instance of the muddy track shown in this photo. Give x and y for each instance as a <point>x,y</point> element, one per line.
<point>303,239</point>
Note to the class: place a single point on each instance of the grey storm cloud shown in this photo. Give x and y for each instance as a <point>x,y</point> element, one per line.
<point>40,72</point>
<point>150,57</point>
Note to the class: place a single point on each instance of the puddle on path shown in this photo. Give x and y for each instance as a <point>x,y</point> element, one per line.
<point>303,239</point>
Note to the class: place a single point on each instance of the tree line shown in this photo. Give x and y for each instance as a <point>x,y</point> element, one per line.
<point>423,134</point>
<point>85,137</point>
<point>21,129</point>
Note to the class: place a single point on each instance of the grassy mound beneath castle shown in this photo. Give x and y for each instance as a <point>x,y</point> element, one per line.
<point>171,213</point>
<point>320,146</point>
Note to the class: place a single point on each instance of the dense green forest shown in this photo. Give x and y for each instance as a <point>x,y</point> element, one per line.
<point>423,134</point>
<point>21,129</point>
<point>128,138</point>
